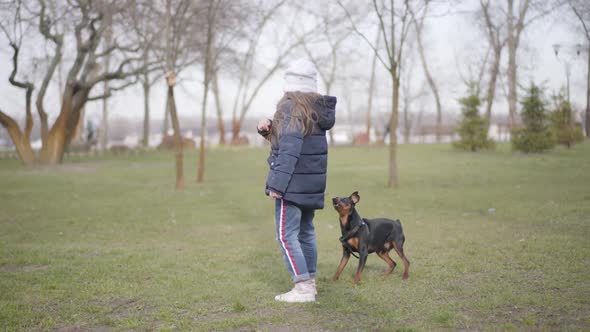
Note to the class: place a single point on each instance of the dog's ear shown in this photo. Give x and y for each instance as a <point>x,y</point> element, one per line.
<point>355,197</point>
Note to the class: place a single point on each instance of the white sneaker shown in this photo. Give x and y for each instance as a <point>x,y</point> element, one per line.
<point>304,291</point>
<point>315,290</point>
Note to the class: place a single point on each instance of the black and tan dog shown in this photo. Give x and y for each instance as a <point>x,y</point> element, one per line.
<point>366,236</point>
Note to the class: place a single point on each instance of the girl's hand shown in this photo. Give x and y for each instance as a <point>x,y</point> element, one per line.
<point>274,195</point>
<point>264,125</point>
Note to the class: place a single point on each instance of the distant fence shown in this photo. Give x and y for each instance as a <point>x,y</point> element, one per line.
<point>8,155</point>
<point>129,152</point>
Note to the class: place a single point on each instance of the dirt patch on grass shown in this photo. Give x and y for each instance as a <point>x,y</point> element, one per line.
<point>123,307</point>
<point>528,317</point>
<point>279,318</point>
<point>23,268</point>
<point>85,329</point>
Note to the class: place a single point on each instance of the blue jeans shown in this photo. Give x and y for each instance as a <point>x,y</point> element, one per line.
<point>296,237</point>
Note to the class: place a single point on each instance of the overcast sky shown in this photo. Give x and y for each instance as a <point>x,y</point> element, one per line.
<point>452,41</point>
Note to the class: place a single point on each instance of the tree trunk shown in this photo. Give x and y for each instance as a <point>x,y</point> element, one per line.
<point>371,91</point>
<point>407,123</point>
<point>393,173</point>
<point>146,112</point>
<point>220,124</point>
<point>236,127</point>
<point>201,166</point>
<point>62,131</point>
<point>105,102</point>
<point>491,93</point>
<point>53,149</point>
<point>588,95</point>
<point>177,140</point>
<point>166,125</point>
<point>208,71</point>
<point>234,117</point>
<point>44,124</point>
<point>512,95</point>
<point>511,89</point>
<point>78,135</point>
<point>514,31</point>
<point>20,141</point>
<point>104,138</point>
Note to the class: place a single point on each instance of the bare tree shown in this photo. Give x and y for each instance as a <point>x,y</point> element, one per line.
<point>476,68</point>
<point>409,97</point>
<point>497,40</point>
<point>419,25</point>
<point>394,25</point>
<point>582,11</point>
<point>218,108</point>
<point>515,29</point>
<point>183,41</point>
<point>89,29</point>
<point>371,91</point>
<point>332,34</point>
<point>57,39</point>
<point>515,26</point>
<point>253,76</point>
<point>14,32</point>
<point>504,25</point>
<point>171,82</point>
<point>108,40</point>
<point>213,7</point>
<point>186,42</point>
<point>143,17</point>
<point>221,17</point>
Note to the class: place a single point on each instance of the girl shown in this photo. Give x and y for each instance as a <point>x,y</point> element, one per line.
<point>297,178</point>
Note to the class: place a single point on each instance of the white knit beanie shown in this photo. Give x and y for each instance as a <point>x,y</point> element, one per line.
<point>301,76</point>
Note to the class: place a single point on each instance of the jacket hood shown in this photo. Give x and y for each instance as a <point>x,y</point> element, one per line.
<point>325,106</point>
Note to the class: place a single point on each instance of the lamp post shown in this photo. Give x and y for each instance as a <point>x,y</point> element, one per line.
<point>567,61</point>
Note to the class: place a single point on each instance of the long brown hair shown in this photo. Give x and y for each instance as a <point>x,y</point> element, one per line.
<point>303,113</point>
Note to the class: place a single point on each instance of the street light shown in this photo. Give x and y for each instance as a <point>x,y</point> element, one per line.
<point>567,62</point>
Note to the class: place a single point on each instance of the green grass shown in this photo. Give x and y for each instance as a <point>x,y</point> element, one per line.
<point>497,240</point>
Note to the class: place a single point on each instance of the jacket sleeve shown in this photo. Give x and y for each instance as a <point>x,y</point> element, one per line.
<point>290,143</point>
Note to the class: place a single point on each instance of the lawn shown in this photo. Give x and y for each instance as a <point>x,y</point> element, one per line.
<point>497,240</point>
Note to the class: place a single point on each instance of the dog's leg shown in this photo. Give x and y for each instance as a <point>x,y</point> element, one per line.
<point>400,252</point>
<point>390,262</point>
<point>363,253</point>
<point>343,262</point>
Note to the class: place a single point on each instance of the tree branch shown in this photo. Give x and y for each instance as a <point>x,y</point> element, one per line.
<point>364,37</point>
<point>384,33</point>
<point>80,52</point>
<point>493,31</point>
<point>12,79</point>
<point>404,35</point>
<point>7,121</point>
<point>117,47</point>
<point>120,73</point>
<point>581,18</point>
<point>45,29</point>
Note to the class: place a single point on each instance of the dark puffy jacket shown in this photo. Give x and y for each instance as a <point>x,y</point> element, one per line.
<point>298,163</point>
